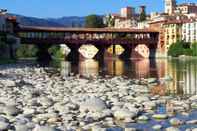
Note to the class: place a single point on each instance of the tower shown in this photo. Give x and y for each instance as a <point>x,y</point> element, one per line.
<point>170,6</point>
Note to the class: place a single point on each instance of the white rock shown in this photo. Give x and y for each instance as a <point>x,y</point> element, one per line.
<point>11,110</point>
<point>172,129</point>
<point>141,99</point>
<point>4,125</point>
<point>143,118</point>
<point>191,122</point>
<point>123,114</point>
<point>93,105</point>
<point>160,116</point>
<point>21,128</point>
<point>44,128</point>
<point>129,129</point>
<point>157,127</point>
<point>193,98</point>
<point>175,122</point>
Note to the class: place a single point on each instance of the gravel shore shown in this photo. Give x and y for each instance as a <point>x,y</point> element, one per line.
<point>38,99</point>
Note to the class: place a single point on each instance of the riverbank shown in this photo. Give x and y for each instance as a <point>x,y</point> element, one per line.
<point>40,99</point>
<point>6,61</point>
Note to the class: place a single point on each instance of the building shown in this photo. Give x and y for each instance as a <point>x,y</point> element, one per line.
<point>170,6</point>
<point>8,41</point>
<point>186,8</point>
<point>127,12</point>
<point>143,24</point>
<point>173,32</point>
<point>125,23</point>
<point>189,31</point>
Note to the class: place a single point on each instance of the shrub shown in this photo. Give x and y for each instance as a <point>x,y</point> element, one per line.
<point>94,21</point>
<point>179,48</point>
<point>194,49</point>
<point>26,51</point>
<point>56,52</point>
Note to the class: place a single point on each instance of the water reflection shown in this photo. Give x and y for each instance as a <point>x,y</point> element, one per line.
<point>89,67</point>
<point>115,67</point>
<point>183,72</point>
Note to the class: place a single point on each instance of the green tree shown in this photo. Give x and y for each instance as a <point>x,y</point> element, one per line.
<point>194,49</point>
<point>56,52</point>
<point>110,22</point>
<point>179,48</point>
<point>94,21</point>
<point>143,16</point>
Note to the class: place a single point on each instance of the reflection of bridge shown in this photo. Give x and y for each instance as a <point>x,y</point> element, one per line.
<point>100,37</point>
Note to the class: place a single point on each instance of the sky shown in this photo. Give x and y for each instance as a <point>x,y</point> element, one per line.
<point>60,8</point>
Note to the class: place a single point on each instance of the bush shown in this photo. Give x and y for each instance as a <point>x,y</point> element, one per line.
<point>26,51</point>
<point>179,48</point>
<point>56,52</point>
<point>194,49</point>
<point>94,21</point>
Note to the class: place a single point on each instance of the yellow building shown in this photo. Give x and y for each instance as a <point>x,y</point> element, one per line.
<point>172,33</point>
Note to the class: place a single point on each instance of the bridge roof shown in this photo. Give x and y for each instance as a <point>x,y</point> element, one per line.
<point>96,30</point>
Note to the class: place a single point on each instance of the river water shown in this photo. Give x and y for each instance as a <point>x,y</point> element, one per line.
<point>182,71</point>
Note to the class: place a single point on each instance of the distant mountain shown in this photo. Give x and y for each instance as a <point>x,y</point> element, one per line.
<point>72,21</point>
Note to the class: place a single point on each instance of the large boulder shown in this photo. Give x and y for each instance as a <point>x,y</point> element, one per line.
<point>93,105</point>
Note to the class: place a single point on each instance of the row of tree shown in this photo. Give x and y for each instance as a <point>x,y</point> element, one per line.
<point>183,48</point>
<point>95,21</point>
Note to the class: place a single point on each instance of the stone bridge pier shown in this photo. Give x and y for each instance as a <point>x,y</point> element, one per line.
<point>43,54</point>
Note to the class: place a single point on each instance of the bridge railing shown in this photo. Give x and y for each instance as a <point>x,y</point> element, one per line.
<point>89,41</point>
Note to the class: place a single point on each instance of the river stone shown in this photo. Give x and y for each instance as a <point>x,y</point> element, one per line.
<point>157,127</point>
<point>3,125</point>
<point>129,129</point>
<point>160,116</point>
<point>143,118</point>
<point>151,80</point>
<point>44,128</point>
<point>3,119</point>
<point>191,122</point>
<point>175,122</point>
<point>141,99</point>
<point>149,105</point>
<point>193,98</point>
<point>98,128</point>
<point>194,105</point>
<point>93,105</point>
<point>8,83</point>
<point>172,129</point>
<point>11,110</point>
<point>21,128</point>
<point>123,114</point>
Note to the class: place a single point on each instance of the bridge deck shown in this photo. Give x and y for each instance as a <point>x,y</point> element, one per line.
<point>96,30</point>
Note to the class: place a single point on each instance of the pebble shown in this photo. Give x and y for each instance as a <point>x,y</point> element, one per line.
<point>123,114</point>
<point>160,116</point>
<point>175,122</point>
<point>143,118</point>
<point>3,125</point>
<point>172,129</point>
<point>44,128</point>
<point>157,127</point>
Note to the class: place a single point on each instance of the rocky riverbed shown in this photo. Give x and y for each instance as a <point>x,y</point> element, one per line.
<point>38,99</point>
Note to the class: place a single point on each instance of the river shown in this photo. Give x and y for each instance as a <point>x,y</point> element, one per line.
<point>183,72</point>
